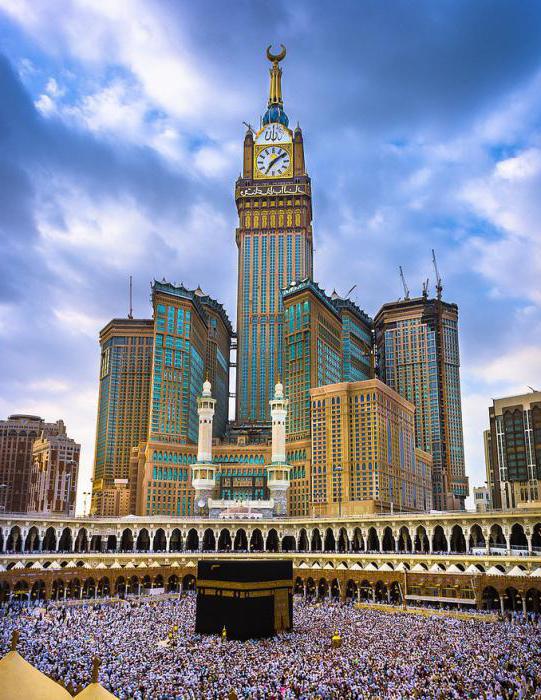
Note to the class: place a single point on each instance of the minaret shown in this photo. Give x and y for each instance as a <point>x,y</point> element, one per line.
<point>278,470</point>
<point>203,471</point>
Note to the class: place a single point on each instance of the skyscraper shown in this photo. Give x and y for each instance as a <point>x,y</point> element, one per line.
<point>274,240</point>
<point>17,436</point>
<point>123,401</point>
<point>418,356</point>
<point>312,350</point>
<point>55,469</point>
<point>513,450</point>
<point>363,451</point>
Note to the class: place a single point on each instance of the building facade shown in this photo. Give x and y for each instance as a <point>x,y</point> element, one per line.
<point>274,239</point>
<point>126,346</point>
<point>513,451</point>
<point>482,499</point>
<point>418,356</point>
<point>357,340</point>
<point>364,458</point>
<point>55,471</point>
<point>17,436</point>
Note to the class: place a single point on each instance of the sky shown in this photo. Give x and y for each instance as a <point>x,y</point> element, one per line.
<point>121,138</point>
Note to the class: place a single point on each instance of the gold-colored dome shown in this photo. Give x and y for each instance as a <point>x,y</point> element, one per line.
<point>19,680</point>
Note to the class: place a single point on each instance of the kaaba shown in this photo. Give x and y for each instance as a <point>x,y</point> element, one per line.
<point>251,599</point>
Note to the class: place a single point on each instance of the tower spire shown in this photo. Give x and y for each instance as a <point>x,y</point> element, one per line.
<point>275,93</point>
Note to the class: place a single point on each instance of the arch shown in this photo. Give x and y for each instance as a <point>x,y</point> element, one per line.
<point>351,590</point>
<point>31,543</point>
<point>21,592</point>
<point>365,590</point>
<point>74,588</point>
<point>81,541</point>
<point>58,589</point>
<point>298,587</point>
<point>209,540</point>
<point>111,544</point>
<point>512,600</point>
<point>330,541</point>
<point>476,539</point>
<point>158,581</point>
<point>272,543</point>
<point>395,594</point>
<point>173,583</point>
<point>439,541</point>
<point>95,543</point>
<point>126,540</point>
<point>303,544</point>
<point>322,588</point>
<point>518,539</point>
<point>66,540</point>
<point>120,587</point>
<point>224,541</point>
<point>142,543</point>
<point>381,592</point>
<point>104,587</point>
<point>192,540</point>
<point>14,540</point>
<point>4,591</point>
<point>497,538</point>
<point>335,589</point>
<point>49,540</point>
<point>404,540</point>
<point>288,543</point>
<point>421,543</point>
<point>175,541</point>
<point>310,588</point>
<point>357,544</point>
<point>458,541</point>
<point>188,582</point>
<point>38,590</point>
<point>159,542</point>
<point>372,540</point>
<point>388,542</point>
<point>533,600</point>
<point>241,541</point>
<point>536,537</point>
<point>315,542</point>
<point>256,541</point>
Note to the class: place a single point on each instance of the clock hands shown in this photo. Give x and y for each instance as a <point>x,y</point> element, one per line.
<point>281,155</point>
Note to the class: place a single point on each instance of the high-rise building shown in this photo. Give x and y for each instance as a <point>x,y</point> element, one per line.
<point>178,371</point>
<point>418,356</point>
<point>513,451</point>
<point>274,239</point>
<point>123,403</point>
<point>312,343</point>
<point>217,360</point>
<point>357,342</point>
<point>363,451</point>
<point>17,436</point>
<point>481,499</point>
<point>55,469</point>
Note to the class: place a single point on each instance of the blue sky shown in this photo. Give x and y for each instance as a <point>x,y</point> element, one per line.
<point>120,141</point>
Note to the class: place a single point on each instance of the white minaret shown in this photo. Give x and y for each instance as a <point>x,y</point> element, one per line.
<point>278,470</point>
<point>203,471</point>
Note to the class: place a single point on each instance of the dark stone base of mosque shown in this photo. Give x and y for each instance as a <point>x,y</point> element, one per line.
<point>249,599</point>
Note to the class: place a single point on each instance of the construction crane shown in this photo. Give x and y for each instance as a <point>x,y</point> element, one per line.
<point>439,286</point>
<point>347,295</point>
<point>406,290</point>
<point>425,289</point>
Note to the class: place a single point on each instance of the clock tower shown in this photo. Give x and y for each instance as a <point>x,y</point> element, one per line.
<point>274,239</point>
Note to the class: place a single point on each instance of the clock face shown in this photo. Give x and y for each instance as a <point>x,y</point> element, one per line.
<point>273,161</point>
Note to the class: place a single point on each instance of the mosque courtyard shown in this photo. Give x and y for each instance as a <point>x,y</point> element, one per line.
<point>149,651</point>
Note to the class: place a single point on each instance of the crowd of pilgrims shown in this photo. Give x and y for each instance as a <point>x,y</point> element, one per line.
<point>383,655</point>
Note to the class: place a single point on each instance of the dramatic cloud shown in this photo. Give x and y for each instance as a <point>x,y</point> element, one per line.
<point>120,141</point>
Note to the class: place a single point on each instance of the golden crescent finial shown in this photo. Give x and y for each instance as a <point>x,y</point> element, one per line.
<point>276,58</point>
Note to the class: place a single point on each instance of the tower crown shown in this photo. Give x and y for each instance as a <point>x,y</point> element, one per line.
<point>275,106</point>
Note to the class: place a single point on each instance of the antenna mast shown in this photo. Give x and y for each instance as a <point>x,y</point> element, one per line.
<point>130,315</point>
<point>406,290</point>
<point>439,286</point>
